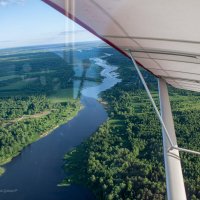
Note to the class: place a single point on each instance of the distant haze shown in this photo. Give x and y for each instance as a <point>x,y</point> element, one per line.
<point>32,22</point>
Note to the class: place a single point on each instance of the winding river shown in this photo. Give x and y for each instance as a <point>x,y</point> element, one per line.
<point>35,173</point>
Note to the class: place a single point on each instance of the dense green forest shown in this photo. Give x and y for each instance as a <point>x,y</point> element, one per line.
<point>123,160</point>
<point>26,119</point>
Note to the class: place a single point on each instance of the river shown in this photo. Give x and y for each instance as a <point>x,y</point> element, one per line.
<point>34,174</point>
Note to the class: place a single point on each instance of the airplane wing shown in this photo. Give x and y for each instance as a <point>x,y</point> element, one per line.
<point>163,36</point>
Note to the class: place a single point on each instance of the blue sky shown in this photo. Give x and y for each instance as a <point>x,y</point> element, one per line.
<point>32,22</point>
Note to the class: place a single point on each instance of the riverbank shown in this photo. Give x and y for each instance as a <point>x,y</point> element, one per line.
<point>41,135</point>
<point>2,170</point>
<point>63,114</point>
<point>73,114</point>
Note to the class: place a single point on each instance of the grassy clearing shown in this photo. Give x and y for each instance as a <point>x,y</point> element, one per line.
<point>116,122</point>
<point>40,73</point>
<point>4,78</point>
<point>15,86</point>
<point>25,117</point>
<point>61,95</point>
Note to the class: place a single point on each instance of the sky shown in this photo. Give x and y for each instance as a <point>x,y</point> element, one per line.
<point>32,22</point>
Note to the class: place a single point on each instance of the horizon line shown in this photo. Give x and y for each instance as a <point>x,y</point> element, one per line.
<point>34,45</point>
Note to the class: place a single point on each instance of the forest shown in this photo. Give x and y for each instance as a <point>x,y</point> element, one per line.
<point>26,119</point>
<point>123,160</point>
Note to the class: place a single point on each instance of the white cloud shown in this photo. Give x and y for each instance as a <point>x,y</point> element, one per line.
<point>72,32</point>
<point>7,2</point>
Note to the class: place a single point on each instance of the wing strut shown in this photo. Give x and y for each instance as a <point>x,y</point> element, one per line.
<point>173,170</point>
<point>172,144</point>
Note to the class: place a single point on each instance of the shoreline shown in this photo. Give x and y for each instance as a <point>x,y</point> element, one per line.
<point>42,135</point>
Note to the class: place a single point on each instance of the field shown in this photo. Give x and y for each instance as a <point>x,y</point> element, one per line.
<point>26,74</point>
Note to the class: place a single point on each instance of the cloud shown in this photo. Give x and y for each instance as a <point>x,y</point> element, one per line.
<point>7,2</point>
<point>6,41</point>
<point>72,32</point>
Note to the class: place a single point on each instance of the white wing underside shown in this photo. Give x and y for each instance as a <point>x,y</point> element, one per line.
<point>164,36</point>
